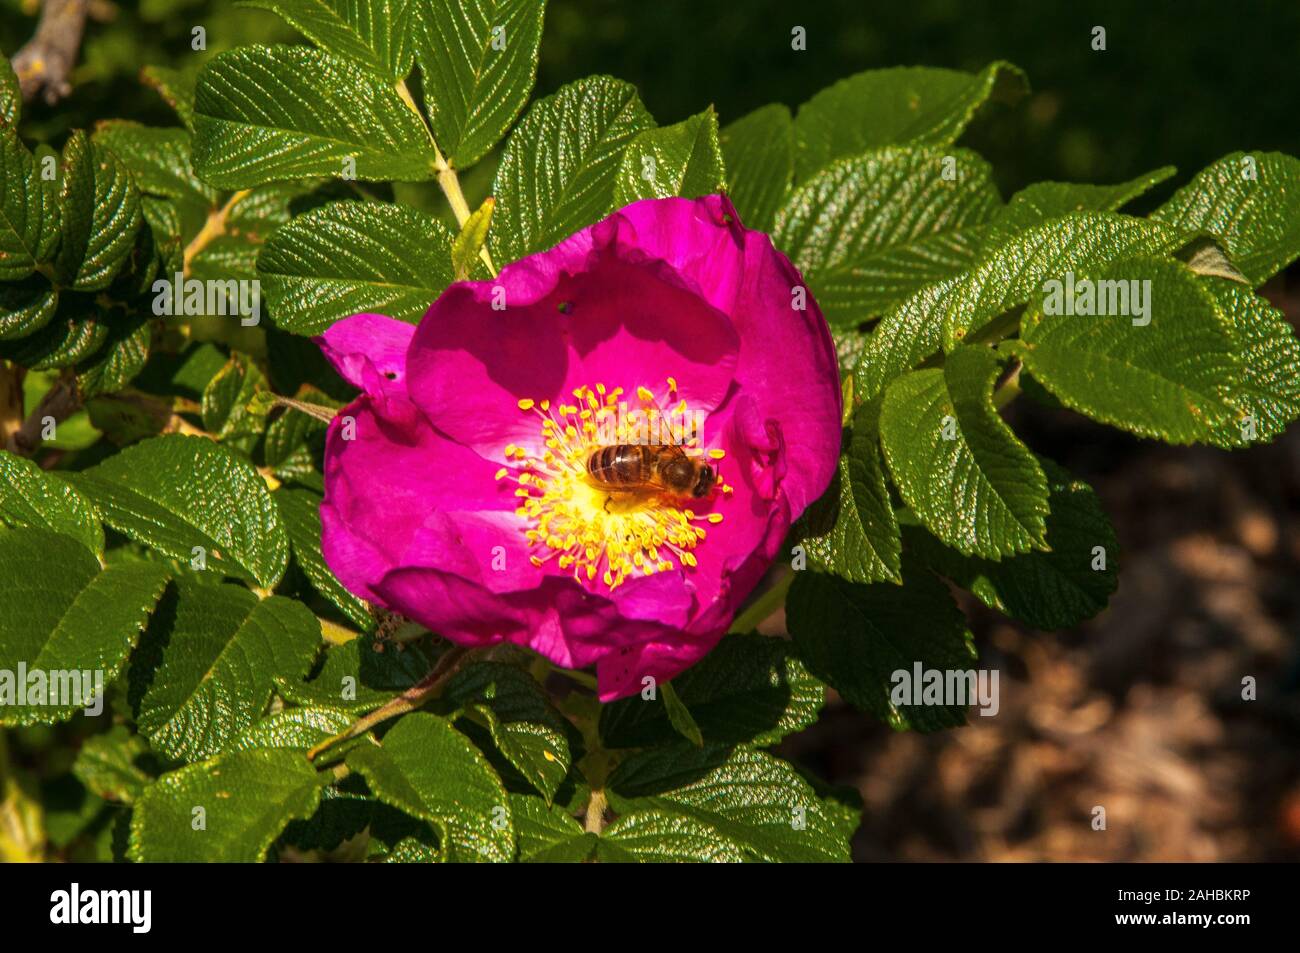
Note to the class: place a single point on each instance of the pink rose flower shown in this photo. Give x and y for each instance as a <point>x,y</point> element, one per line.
<point>460,496</point>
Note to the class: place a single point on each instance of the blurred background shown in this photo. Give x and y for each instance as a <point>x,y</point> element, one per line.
<point>1140,710</point>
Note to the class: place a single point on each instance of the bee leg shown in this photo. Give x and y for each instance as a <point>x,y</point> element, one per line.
<point>609,498</point>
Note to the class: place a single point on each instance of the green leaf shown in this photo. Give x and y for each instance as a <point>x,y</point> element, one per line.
<point>247,798</point>
<point>718,804</point>
<point>1164,379</point>
<point>856,637</point>
<point>300,510</point>
<point>524,726</point>
<point>11,94</point>
<point>120,358</point>
<point>883,107</point>
<point>750,689</point>
<point>159,163</point>
<point>373,33</point>
<point>340,260</point>
<point>681,160</point>
<point>423,766</point>
<point>758,149</point>
<point>853,532</point>
<point>65,618</point>
<point>1267,398</point>
<point>868,231</point>
<point>26,305</point>
<point>205,670</point>
<point>29,211</point>
<point>265,114</point>
<point>953,309</point>
<point>175,493</point>
<point>478,59</point>
<point>108,766</point>
<point>300,728</point>
<point>1055,589</point>
<point>357,678</point>
<point>679,716</point>
<point>176,87</point>
<point>100,214</point>
<point>547,834</point>
<point>1046,200</point>
<point>957,464</point>
<point>1250,202</point>
<point>560,166</point>
<point>225,404</point>
<point>470,240</point>
<point>30,497</point>
<point>74,333</point>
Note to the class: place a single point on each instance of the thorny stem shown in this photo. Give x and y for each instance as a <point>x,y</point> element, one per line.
<point>411,699</point>
<point>448,181</point>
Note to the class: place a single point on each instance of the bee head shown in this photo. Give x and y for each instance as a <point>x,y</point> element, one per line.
<point>704,483</point>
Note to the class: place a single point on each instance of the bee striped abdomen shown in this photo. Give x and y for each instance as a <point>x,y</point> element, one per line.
<point>625,465</point>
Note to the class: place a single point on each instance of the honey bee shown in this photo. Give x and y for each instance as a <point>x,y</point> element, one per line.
<point>632,468</point>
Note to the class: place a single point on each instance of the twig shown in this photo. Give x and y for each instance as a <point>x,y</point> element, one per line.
<point>45,61</point>
<point>59,403</point>
<point>409,700</point>
<point>214,227</point>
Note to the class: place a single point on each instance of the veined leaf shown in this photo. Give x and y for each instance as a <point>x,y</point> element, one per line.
<point>1251,202</point>
<point>300,510</point>
<point>106,765</point>
<point>547,833</point>
<point>868,231</point>
<point>175,493</point>
<point>100,214</point>
<point>266,114</point>
<point>176,87</point>
<point>66,619</point>
<point>31,497</point>
<point>27,305</point>
<point>560,167</point>
<point>471,238</point>
<point>423,766</point>
<point>356,678</point>
<point>750,689</point>
<point>373,33</point>
<point>852,529</point>
<point>1267,398</point>
<point>889,106</point>
<point>957,464</point>
<point>300,728</point>
<point>29,211</point>
<point>206,668</point>
<point>246,797</point>
<point>680,160</point>
<point>721,804</point>
<point>1046,200</point>
<point>1160,375</point>
<point>349,257</point>
<point>855,638</point>
<point>1055,589</point>
<point>948,311</point>
<point>525,727</point>
<point>478,59</point>
<point>758,149</point>
<point>11,95</point>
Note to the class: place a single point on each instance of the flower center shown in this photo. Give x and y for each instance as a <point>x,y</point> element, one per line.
<point>605,491</point>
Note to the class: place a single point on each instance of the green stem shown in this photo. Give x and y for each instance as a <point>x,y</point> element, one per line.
<point>763,606</point>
